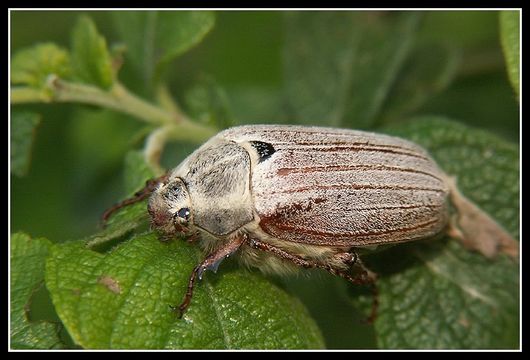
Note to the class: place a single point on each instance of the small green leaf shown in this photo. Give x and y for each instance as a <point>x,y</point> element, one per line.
<point>136,173</point>
<point>435,293</point>
<point>339,67</point>
<point>91,59</point>
<point>27,275</point>
<point>121,300</point>
<point>207,102</point>
<point>23,125</point>
<point>154,38</point>
<point>509,22</point>
<point>32,66</point>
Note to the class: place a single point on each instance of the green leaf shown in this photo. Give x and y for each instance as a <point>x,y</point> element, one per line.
<point>428,70</point>
<point>469,29</point>
<point>23,125</point>
<point>435,293</point>
<point>256,105</point>
<point>509,22</point>
<point>32,66</point>
<point>91,59</point>
<point>207,102</point>
<point>154,38</point>
<point>96,180</point>
<point>121,299</point>
<point>339,67</point>
<point>485,102</point>
<point>87,130</point>
<point>136,173</point>
<point>27,275</point>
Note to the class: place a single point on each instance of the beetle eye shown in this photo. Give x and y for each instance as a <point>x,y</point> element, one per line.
<point>184,213</point>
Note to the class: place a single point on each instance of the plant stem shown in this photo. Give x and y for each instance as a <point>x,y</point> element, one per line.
<point>166,101</point>
<point>170,121</point>
<point>154,144</point>
<point>117,98</point>
<point>25,94</point>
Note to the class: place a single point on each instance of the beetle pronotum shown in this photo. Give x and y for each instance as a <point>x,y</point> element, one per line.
<point>288,196</point>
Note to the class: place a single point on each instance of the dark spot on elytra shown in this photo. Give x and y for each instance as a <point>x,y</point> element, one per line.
<point>298,208</point>
<point>264,150</point>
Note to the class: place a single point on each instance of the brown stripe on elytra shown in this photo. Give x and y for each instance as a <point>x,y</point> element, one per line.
<point>333,168</point>
<point>358,149</point>
<point>356,187</point>
<point>391,207</point>
<point>266,224</point>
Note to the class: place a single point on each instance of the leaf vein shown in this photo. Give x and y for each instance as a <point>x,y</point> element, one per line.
<point>226,336</point>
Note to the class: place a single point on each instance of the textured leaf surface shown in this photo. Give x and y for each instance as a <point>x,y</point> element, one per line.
<point>91,59</point>
<point>121,300</point>
<point>339,67</point>
<point>23,125</point>
<point>27,275</point>
<point>33,65</point>
<point>436,294</point>
<point>154,38</point>
<point>509,21</point>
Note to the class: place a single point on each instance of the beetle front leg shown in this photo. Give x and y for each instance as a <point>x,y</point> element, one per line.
<point>211,262</point>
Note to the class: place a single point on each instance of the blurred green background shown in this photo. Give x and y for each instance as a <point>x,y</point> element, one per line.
<point>76,173</point>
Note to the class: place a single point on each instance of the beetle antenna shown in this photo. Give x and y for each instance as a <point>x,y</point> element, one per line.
<point>150,186</point>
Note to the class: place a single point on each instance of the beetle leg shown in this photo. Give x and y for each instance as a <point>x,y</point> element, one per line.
<point>257,244</point>
<point>365,277</point>
<point>150,186</point>
<point>348,259</point>
<point>193,237</point>
<point>369,277</point>
<point>211,262</point>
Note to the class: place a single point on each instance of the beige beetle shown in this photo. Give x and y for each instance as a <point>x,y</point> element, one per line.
<point>289,196</point>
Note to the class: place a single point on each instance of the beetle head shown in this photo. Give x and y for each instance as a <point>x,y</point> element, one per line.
<point>170,208</point>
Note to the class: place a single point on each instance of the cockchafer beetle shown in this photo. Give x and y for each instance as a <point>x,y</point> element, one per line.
<point>289,196</point>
